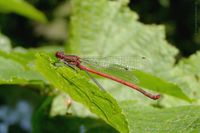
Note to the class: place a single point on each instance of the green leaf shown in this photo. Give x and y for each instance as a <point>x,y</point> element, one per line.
<point>23,8</point>
<point>81,90</point>
<point>109,28</point>
<point>143,119</point>
<point>17,66</point>
<point>12,72</point>
<point>113,29</point>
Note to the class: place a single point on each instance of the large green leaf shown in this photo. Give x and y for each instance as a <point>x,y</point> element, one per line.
<point>81,90</point>
<point>143,119</point>
<point>110,28</point>
<point>23,8</point>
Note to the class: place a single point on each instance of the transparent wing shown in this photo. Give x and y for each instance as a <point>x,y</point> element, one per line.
<point>121,67</point>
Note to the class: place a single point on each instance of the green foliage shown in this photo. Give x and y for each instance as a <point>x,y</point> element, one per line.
<point>99,102</point>
<point>189,75</point>
<point>79,89</point>
<point>44,123</point>
<point>159,85</point>
<point>15,73</point>
<point>23,8</point>
<point>142,119</point>
<point>120,33</point>
<point>107,28</point>
<point>16,67</point>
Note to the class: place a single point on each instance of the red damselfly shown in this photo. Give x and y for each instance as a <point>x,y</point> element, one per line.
<point>108,63</point>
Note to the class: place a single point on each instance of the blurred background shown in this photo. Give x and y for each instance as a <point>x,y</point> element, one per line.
<point>180,18</point>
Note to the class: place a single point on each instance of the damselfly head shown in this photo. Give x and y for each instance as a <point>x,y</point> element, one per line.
<point>60,55</point>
